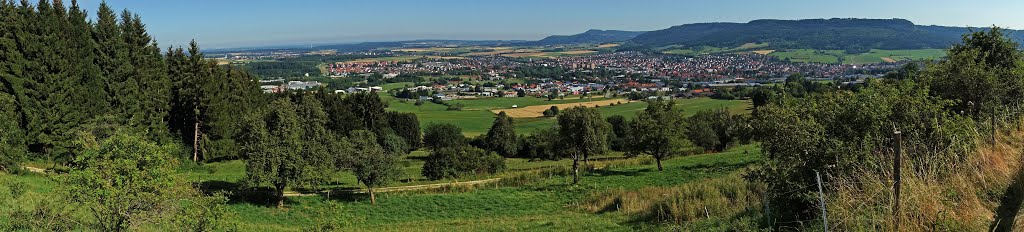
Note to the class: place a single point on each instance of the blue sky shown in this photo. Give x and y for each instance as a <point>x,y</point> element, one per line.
<point>235,23</point>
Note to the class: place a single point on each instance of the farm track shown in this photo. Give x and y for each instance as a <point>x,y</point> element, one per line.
<point>379,190</point>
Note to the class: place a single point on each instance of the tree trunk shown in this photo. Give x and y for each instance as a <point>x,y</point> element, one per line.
<point>280,196</point>
<point>575,170</point>
<point>195,143</point>
<point>586,164</point>
<point>659,163</point>
<point>373,198</point>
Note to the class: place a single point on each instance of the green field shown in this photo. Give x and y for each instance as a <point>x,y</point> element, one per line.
<point>704,50</point>
<point>476,119</point>
<point>876,56</point>
<point>873,56</point>
<point>809,55</point>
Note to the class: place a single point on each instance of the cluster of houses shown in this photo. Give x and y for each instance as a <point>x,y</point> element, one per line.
<point>291,85</point>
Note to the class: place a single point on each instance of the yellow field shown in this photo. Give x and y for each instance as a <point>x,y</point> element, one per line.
<point>764,52</point>
<point>578,52</point>
<point>547,54</point>
<point>888,59</point>
<point>521,55</point>
<point>538,110</point>
<point>607,45</point>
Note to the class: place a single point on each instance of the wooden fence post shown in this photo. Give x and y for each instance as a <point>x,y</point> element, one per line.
<point>897,179</point>
<point>821,198</point>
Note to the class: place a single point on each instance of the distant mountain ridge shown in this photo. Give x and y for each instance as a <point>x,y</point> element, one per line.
<point>824,34</point>
<point>592,36</point>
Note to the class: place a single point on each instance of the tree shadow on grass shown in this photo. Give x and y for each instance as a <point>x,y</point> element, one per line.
<point>1009,205</point>
<point>609,172</point>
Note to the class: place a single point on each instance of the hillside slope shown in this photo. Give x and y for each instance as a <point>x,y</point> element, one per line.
<point>592,37</point>
<point>823,34</point>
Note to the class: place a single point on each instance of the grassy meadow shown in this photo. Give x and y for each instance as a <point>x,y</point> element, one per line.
<point>533,195</point>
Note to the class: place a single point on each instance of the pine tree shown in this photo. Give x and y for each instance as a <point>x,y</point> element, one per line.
<point>149,73</point>
<point>90,94</point>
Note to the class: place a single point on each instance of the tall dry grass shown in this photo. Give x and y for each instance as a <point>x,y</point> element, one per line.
<point>727,203</point>
<point>965,199</point>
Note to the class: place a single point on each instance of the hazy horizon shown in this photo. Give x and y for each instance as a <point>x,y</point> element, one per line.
<point>218,25</point>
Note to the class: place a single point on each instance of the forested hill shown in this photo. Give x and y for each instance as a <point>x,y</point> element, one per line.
<point>592,36</point>
<point>837,34</point>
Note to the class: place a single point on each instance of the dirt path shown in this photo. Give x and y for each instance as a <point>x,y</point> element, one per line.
<point>399,188</point>
<point>379,190</point>
<point>35,169</point>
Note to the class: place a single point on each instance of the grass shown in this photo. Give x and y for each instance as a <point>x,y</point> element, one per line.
<point>879,56</point>
<point>547,205</point>
<point>704,50</point>
<point>873,56</point>
<point>810,55</point>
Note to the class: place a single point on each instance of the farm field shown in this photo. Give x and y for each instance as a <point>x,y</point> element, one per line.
<point>537,110</point>
<point>478,114</point>
<point>873,56</point>
<point>386,58</point>
<point>876,56</point>
<point>809,55</point>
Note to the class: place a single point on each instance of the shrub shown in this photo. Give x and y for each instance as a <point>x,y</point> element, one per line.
<point>461,161</point>
<point>455,107</point>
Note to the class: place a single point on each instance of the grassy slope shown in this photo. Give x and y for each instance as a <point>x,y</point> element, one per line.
<point>549,204</point>
<point>546,205</point>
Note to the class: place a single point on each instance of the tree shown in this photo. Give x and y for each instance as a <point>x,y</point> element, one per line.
<point>407,126</point>
<point>269,144</point>
<point>371,165</point>
<point>583,133</point>
<point>980,74</point>
<point>659,131</point>
<point>443,135</point>
<point>501,138</point>
<point>543,144</point>
<point>11,137</point>
<point>620,131</point>
<point>368,110</point>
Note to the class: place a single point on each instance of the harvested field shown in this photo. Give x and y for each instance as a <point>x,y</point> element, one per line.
<point>538,110</point>
<point>764,52</point>
<point>888,59</point>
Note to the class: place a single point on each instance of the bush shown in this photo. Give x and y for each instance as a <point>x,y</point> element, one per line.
<point>455,162</point>
<point>455,107</point>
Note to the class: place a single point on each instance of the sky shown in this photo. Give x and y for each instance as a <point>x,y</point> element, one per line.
<point>236,23</point>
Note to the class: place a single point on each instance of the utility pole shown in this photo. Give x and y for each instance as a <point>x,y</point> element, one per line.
<point>896,180</point>
<point>821,198</point>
